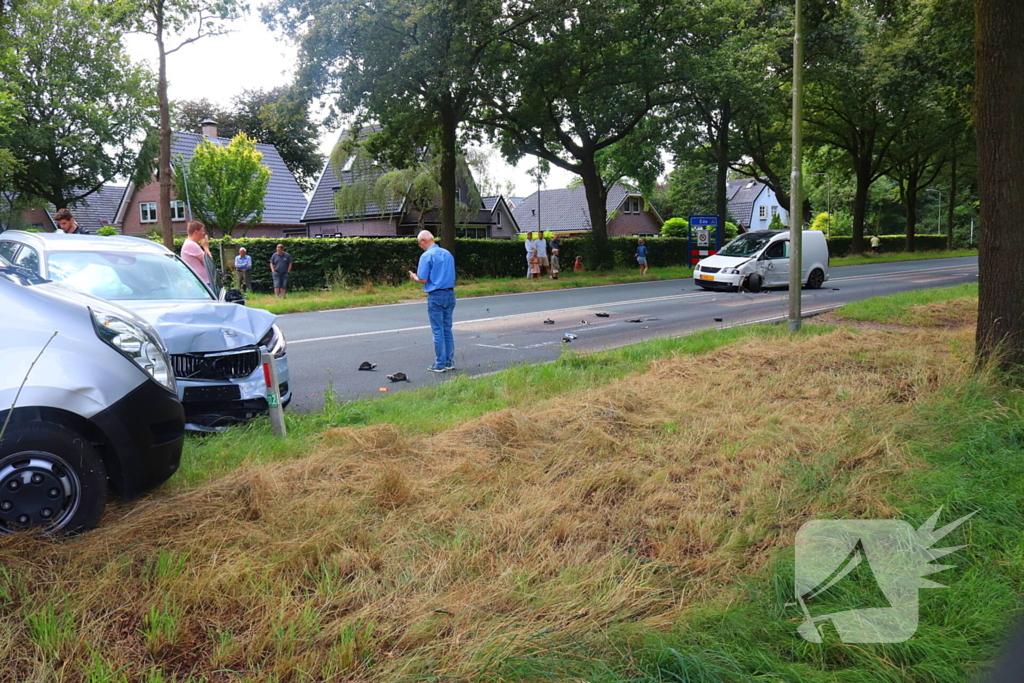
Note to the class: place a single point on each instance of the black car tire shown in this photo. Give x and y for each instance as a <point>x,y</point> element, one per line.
<point>50,477</point>
<point>816,279</point>
<point>754,282</point>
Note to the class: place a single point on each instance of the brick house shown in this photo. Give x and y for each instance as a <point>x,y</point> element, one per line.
<point>564,212</point>
<point>284,203</point>
<point>491,218</point>
<point>91,213</point>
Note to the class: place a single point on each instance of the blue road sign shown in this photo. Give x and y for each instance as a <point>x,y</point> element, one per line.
<point>704,221</point>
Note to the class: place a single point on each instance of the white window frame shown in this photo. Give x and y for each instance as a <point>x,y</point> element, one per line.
<point>497,220</point>
<point>775,210</point>
<point>635,204</point>
<point>762,212</point>
<point>144,210</point>
<point>175,205</point>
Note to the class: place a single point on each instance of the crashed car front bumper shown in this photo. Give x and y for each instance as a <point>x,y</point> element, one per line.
<point>211,403</point>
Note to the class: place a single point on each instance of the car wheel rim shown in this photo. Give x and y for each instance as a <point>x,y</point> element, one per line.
<point>37,489</point>
<point>816,279</point>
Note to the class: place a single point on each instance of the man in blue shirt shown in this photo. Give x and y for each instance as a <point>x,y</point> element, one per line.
<point>436,272</point>
<point>243,270</point>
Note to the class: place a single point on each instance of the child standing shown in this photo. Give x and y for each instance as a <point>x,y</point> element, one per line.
<point>553,262</point>
<point>578,266</point>
<point>534,266</point>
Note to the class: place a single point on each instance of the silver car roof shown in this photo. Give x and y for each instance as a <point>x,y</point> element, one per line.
<point>59,241</point>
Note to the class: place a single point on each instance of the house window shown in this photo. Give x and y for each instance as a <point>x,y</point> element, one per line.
<point>497,220</point>
<point>177,210</point>
<point>635,203</point>
<point>296,232</point>
<point>775,210</point>
<point>471,233</point>
<point>147,212</point>
<point>762,211</point>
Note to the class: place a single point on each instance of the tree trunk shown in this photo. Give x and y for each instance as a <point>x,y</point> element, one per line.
<point>952,199</point>
<point>860,206</point>
<point>164,163</point>
<point>721,194</point>
<point>597,197</point>
<point>998,101</point>
<point>449,144</point>
<point>910,203</point>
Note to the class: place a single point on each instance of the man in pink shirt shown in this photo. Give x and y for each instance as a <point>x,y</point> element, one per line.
<point>195,250</point>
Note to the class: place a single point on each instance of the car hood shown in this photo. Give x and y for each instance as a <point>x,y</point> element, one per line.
<point>190,327</point>
<point>718,261</point>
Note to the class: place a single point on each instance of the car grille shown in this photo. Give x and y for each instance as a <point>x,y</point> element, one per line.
<point>707,269</point>
<point>229,365</point>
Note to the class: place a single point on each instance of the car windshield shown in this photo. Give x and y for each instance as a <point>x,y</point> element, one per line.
<point>119,276</point>
<point>747,244</point>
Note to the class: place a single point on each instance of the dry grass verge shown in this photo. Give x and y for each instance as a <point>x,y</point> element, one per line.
<point>387,555</point>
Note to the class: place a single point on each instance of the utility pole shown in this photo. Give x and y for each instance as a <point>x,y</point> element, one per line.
<point>796,228</point>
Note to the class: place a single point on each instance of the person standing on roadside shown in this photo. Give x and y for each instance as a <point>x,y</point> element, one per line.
<point>280,267</point>
<point>531,252</point>
<point>243,270</point>
<point>195,250</point>
<point>542,253</point>
<point>436,272</point>
<point>66,222</point>
<point>641,256</point>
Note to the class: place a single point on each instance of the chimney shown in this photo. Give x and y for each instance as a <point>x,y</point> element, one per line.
<point>209,128</point>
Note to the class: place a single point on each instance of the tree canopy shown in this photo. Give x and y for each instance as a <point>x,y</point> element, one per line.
<point>226,185</point>
<point>73,108</point>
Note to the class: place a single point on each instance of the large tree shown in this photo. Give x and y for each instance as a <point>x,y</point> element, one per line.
<point>173,25</point>
<point>75,107</point>
<point>585,80</point>
<point>277,117</point>
<point>416,68</point>
<point>226,185</point>
<point>999,101</point>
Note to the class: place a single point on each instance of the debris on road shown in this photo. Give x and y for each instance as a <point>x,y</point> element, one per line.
<point>718,320</point>
<point>398,377</point>
<point>568,337</point>
<point>549,321</point>
<point>367,365</point>
<point>602,314</point>
<point>584,322</point>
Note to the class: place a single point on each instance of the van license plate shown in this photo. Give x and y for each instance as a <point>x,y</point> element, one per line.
<point>707,277</point>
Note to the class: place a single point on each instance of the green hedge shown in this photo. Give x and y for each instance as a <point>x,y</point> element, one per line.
<point>840,246</point>
<point>355,261</point>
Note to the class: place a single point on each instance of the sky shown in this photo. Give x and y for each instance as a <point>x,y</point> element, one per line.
<point>218,68</point>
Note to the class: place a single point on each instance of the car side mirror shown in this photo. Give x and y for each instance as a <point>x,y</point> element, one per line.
<point>234,296</point>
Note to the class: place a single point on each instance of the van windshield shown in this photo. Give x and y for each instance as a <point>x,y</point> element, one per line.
<point>118,276</point>
<point>746,244</point>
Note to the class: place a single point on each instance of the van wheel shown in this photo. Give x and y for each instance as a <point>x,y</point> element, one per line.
<point>816,279</point>
<point>51,478</point>
<point>754,282</point>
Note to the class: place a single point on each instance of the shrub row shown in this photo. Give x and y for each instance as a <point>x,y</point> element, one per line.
<point>840,246</point>
<point>354,261</point>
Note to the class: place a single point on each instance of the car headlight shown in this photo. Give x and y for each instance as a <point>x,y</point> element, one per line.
<point>730,271</point>
<point>273,341</point>
<point>140,345</point>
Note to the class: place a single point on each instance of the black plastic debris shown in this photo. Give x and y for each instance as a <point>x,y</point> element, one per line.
<point>367,365</point>
<point>602,315</point>
<point>398,377</point>
<point>584,322</point>
<point>549,321</point>
<point>635,320</point>
<point>568,337</point>
<point>718,320</point>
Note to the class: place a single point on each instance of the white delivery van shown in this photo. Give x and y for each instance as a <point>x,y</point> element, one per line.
<point>760,259</point>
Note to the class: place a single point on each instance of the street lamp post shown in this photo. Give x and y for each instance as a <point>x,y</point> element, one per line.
<point>939,207</point>
<point>796,180</point>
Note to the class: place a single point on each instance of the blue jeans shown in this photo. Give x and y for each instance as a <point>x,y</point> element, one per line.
<point>440,306</point>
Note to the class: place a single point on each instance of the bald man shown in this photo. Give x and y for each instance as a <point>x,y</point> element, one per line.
<point>436,272</point>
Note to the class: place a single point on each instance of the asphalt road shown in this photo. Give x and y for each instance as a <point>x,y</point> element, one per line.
<point>493,332</point>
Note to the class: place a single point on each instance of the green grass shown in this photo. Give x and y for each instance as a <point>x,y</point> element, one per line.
<point>861,259</point>
<point>439,406</point>
<point>971,438</point>
<point>894,309</point>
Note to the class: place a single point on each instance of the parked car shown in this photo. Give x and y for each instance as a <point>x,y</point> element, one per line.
<point>215,345</point>
<point>87,404</point>
<point>759,259</point>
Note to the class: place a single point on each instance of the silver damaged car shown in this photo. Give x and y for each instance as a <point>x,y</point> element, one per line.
<point>215,345</point>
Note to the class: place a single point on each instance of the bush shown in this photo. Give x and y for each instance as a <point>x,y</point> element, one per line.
<point>840,246</point>
<point>675,227</point>
<point>107,231</point>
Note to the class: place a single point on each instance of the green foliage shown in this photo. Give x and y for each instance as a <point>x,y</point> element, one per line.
<point>227,185</point>
<point>277,117</point>
<point>821,222</point>
<point>676,227</point>
<point>777,223</point>
<point>107,231</point>
<point>76,107</point>
<point>842,245</point>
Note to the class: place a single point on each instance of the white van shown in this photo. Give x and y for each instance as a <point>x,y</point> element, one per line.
<point>761,259</point>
